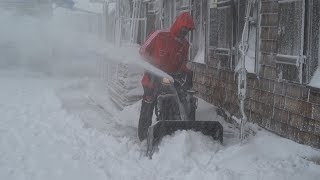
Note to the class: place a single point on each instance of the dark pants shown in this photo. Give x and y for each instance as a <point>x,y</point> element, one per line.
<point>146,112</point>
<point>148,104</point>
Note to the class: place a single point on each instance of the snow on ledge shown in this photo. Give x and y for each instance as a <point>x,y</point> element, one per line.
<point>200,56</point>
<point>315,81</point>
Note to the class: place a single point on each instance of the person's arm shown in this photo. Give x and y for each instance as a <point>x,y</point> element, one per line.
<point>185,54</point>
<point>184,69</point>
<point>147,48</point>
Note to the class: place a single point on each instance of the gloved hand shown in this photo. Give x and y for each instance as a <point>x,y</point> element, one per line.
<point>183,79</point>
<point>189,83</point>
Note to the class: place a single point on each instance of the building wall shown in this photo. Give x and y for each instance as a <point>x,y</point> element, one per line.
<point>288,108</point>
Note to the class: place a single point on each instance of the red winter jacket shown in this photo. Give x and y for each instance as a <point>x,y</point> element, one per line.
<point>164,50</point>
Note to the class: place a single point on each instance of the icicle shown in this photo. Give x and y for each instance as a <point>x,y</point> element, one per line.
<point>241,69</point>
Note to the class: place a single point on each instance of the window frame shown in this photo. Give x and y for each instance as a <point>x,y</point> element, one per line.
<point>284,61</point>
<point>212,32</point>
<point>310,68</point>
<point>204,32</point>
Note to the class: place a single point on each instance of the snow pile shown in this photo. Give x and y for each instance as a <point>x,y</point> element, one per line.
<point>40,139</point>
<point>190,155</point>
<point>37,137</point>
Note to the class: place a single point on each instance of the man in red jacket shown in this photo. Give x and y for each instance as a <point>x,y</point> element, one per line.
<point>168,51</point>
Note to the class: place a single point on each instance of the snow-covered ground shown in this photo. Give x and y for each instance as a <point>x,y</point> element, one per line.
<point>55,128</point>
<point>62,126</point>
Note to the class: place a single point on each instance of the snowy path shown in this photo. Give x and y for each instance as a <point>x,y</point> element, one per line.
<point>50,129</point>
<point>38,139</point>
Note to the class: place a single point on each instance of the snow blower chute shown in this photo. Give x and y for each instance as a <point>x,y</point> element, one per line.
<point>175,110</point>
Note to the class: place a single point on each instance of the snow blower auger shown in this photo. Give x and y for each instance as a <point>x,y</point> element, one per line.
<point>175,110</point>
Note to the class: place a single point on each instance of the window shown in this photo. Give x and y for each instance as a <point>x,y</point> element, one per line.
<point>221,28</point>
<point>297,55</point>
<point>314,53</point>
<point>168,13</point>
<point>199,40</point>
<point>182,5</point>
<point>289,57</point>
<point>313,40</point>
<point>250,58</point>
<point>153,16</point>
<point>152,7</point>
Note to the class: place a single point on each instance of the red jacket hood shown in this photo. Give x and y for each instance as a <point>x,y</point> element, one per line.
<point>183,20</point>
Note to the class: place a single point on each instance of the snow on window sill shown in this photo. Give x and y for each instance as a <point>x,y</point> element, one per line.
<point>200,57</point>
<point>315,81</point>
<point>250,63</point>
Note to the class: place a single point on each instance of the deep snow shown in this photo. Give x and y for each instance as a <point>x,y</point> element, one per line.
<point>62,126</point>
<point>53,128</point>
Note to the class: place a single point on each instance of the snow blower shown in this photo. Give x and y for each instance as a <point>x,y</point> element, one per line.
<point>175,110</point>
